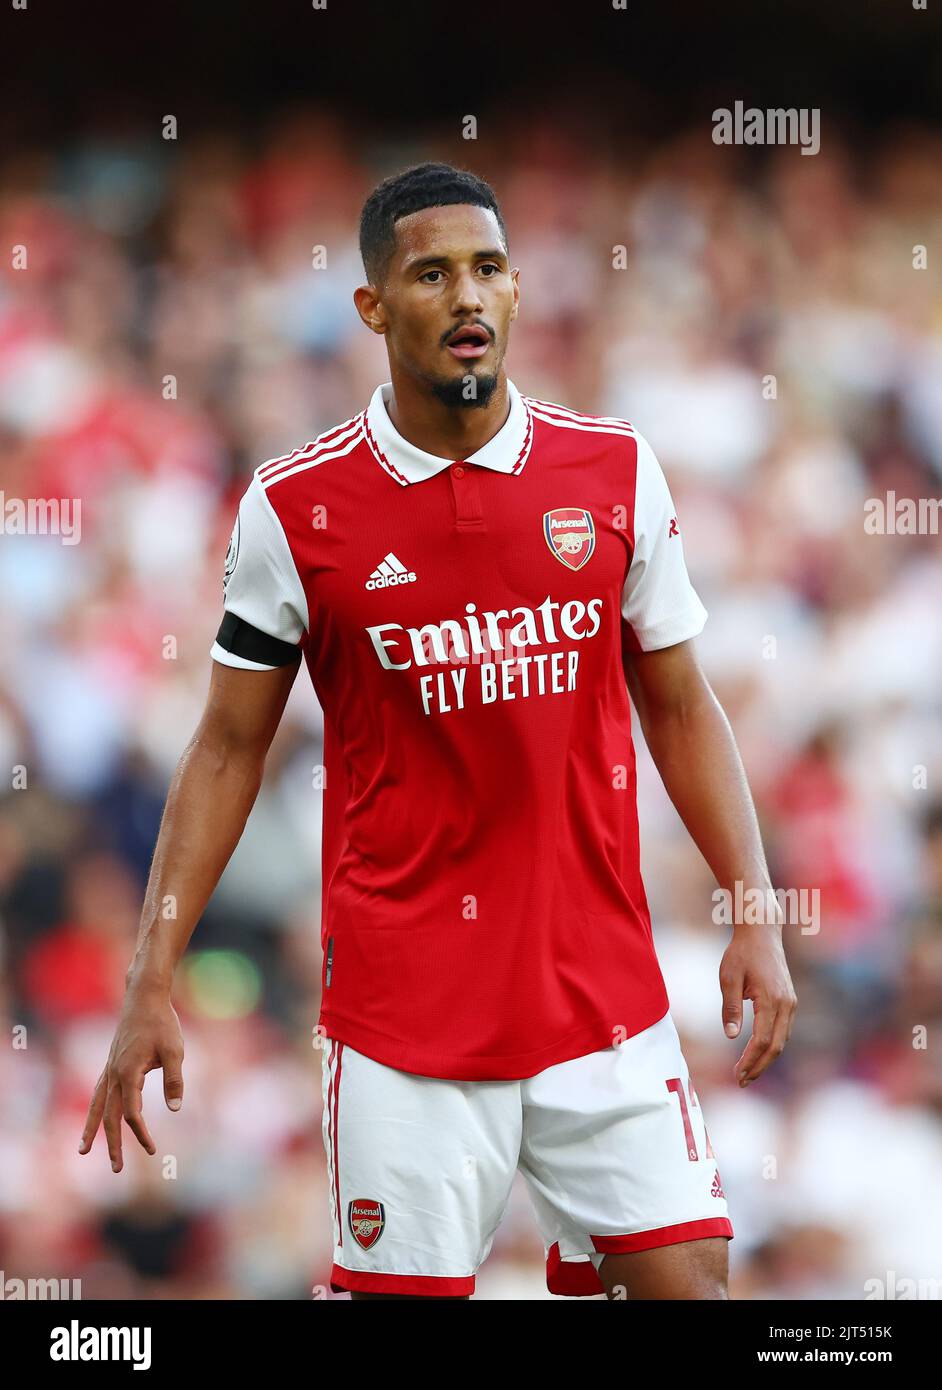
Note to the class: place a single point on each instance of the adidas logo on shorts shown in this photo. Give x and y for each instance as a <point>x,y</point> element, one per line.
<point>389,571</point>
<point>717,1189</point>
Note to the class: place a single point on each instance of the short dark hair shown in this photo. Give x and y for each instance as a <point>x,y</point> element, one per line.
<point>422,186</point>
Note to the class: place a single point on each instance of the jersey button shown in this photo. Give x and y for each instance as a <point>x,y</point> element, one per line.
<point>458,471</point>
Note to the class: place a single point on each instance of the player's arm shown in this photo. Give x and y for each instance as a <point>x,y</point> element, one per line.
<point>694,750</point>
<point>211,795</point>
<point>257,652</point>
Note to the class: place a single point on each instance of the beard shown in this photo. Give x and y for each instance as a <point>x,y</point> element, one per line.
<point>457,393</point>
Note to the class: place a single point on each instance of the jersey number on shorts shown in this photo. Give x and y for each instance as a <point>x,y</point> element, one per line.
<point>677,1086</point>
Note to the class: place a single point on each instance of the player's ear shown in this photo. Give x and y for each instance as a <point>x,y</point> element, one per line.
<point>370,307</point>
<point>515,277</point>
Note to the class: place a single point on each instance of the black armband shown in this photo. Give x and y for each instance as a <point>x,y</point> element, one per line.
<point>240,638</point>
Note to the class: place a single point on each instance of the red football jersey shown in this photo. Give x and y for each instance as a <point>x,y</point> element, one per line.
<point>464,624</point>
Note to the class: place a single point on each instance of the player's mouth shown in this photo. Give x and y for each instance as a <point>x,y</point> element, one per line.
<point>472,341</point>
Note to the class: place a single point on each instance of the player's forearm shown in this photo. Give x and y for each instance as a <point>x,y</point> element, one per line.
<point>695,753</point>
<point>212,793</point>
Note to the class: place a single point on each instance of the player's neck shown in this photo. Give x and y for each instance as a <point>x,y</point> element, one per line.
<point>452,432</point>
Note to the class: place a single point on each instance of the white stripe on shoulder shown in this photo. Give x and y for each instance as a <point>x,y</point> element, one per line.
<point>322,441</point>
<point>281,460</point>
<point>333,444</point>
<point>587,426</point>
<point>324,438</point>
<point>547,408</point>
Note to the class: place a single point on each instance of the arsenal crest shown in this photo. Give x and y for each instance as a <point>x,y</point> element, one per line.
<point>570,535</point>
<point>367,1219</point>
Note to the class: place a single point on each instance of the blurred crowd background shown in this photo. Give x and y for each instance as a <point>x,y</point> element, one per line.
<point>774,341</point>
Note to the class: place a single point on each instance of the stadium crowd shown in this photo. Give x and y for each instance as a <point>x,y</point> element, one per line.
<point>167,323</point>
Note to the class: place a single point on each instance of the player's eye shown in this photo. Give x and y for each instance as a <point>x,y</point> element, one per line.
<point>427,274</point>
<point>490,265</point>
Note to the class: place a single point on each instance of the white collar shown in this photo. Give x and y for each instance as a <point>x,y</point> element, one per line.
<point>507,452</point>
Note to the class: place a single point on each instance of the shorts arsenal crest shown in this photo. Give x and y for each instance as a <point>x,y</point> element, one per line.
<point>366,1219</point>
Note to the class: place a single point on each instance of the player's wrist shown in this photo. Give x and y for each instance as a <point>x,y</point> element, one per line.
<point>149,974</point>
<point>754,906</point>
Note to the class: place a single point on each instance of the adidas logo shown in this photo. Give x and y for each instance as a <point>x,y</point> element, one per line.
<point>717,1189</point>
<point>390,570</point>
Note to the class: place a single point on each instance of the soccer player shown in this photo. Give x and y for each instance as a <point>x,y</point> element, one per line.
<point>475,579</point>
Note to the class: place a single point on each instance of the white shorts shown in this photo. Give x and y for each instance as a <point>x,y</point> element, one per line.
<point>613,1148</point>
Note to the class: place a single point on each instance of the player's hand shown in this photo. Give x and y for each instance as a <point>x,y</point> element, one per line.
<point>754,967</point>
<point>147,1036</point>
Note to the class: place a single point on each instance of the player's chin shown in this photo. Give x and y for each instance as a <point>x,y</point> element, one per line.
<point>467,386</point>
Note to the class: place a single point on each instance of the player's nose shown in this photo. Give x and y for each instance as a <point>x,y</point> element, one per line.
<point>466,295</point>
